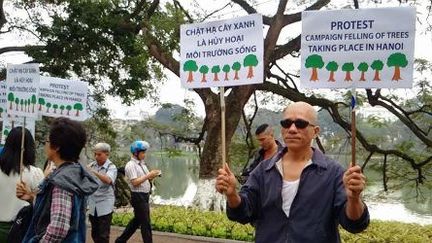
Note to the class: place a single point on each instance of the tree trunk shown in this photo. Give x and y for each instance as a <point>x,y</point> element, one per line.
<point>211,159</point>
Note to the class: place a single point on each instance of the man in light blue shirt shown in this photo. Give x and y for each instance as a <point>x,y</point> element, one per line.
<point>101,203</point>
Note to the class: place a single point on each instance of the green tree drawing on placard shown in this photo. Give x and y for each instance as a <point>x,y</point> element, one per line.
<point>41,102</point>
<point>250,61</point>
<point>78,107</point>
<point>363,67</point>
<point>397,60</point>
<point>22,104</point>
<point>204,70</point>
<point>68,108</point>
<point>190,66</point>
<point>314,61</point>
<point>62,107</point>
<point>48,105</point>
<point>215,70</point>
<point>348,68</point>
<point>28,104</point>
<point>236,67</point>
<point>55,106</point>
<point>1,111</point>
<point>226,68</point>
<point>332,67</point>
<point>377,65</point>
<point>33,101</point>
<point>11,99</point>
<point>17,101</point>
<point>6,132</point>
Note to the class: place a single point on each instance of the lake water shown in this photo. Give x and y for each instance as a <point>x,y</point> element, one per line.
<point>178,186</point>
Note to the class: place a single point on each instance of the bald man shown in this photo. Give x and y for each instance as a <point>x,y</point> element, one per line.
<point>300,195</point>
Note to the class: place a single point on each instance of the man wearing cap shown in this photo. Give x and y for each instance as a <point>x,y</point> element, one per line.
<point>139,178</point>
<point>101,203</point>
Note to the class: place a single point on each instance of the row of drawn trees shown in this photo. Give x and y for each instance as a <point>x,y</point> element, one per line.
<point>249,61</point>
<point>28,105</point>
<point>396,60</point>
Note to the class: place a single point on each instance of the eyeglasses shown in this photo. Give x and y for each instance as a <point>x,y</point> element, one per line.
<point>299,123</point>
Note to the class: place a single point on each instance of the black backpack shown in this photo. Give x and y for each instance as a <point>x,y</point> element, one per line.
<point>20,224</point>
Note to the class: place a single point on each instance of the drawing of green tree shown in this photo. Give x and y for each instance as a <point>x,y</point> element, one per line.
<point>397,60</point>
<point>22,103</point>
<point>48,105</point>
<point>250,61</point>
<point>17,101</point>
<point>332,67</point>
<point>28,104</point>
<point>314,61</point>
<point>6,132</point>
<point>55,106</point>
<point>215,70</point>
<point>78,107</point>
<point>236,67</point>
<point>362,67</point>
<point>190,66</point>
<point>377,65</point>
<point>62,107</point>
<point>204,69</point>
<point>226,68</point>
<point>68,108</point>
<point>11,99</point>
<point>1,111</point>
<point>33,101</point>
<point>348,68</point>
<point>41,102</point>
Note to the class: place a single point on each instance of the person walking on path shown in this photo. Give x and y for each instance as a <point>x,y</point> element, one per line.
<point>101,203</point>
<point>300,195</point>
<point>139,180</point>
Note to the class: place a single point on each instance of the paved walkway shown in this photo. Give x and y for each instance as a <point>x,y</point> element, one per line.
<point>162,237</point>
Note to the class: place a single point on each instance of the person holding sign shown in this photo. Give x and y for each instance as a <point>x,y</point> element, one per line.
<point>140,184</point>
<point>300,195</point>
<point>10,176</point>
<point>59,208</point>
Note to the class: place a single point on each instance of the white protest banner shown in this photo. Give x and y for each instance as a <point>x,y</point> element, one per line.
<point>18,122</point>
<point>3,99</point>
<point>363,48</point>
<point>62,97</point>
<point>22,88</point>
<point>222,53</point>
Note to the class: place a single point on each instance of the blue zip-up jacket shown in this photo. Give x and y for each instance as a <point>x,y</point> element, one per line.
<point>317,210</point>
<point>71,177</point>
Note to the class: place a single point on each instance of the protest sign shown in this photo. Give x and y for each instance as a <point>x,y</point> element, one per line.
<point>22,88</point>
<point>3,99</point>
<point>222,53</point>
<point>362,48</point>
<point>62,97</point>
<point>9,123</point>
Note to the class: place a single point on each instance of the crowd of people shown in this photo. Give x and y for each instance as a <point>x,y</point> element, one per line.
<point>290,192</point>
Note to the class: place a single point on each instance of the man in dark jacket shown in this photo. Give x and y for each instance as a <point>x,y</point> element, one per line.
<point>269,146</point>
<point>59,209</point>
<point>299,195</point>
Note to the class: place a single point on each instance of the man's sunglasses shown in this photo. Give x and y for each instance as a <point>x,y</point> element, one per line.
<point>299,123</point>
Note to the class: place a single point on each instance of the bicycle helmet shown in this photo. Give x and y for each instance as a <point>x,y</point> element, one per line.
<point>138,146</point>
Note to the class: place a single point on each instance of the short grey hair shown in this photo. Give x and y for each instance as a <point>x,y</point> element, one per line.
<point>102,147</point>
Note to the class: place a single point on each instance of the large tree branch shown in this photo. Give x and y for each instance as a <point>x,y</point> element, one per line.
<point>251,10</point>
<point>2,15</point>
<point>288,48</point>
<point>20,48</point>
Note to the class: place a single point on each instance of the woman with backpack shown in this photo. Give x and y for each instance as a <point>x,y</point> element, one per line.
<point>10,176</point>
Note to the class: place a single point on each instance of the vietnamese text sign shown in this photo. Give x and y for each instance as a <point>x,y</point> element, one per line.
<point>62,97</point>
<point>222,53</point>
<point>366,48</point>
<point>8,125</point>
<point>22,88</point>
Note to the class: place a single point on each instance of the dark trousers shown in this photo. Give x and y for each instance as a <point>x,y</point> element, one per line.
<point>140,204</point>
<point>100,227</point>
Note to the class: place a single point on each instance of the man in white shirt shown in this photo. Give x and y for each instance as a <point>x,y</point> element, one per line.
<point>139,180</point>
<point>101,203</point>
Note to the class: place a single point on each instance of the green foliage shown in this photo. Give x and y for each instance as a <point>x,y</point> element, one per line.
<point>332,66</point>
<point>377,65</point>
<point>314,61</point>
<point>217,225</point>
<point>397,60</point>
<point>348,67</point>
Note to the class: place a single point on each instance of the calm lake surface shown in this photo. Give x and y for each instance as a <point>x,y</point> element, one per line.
<point>178,186</point>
